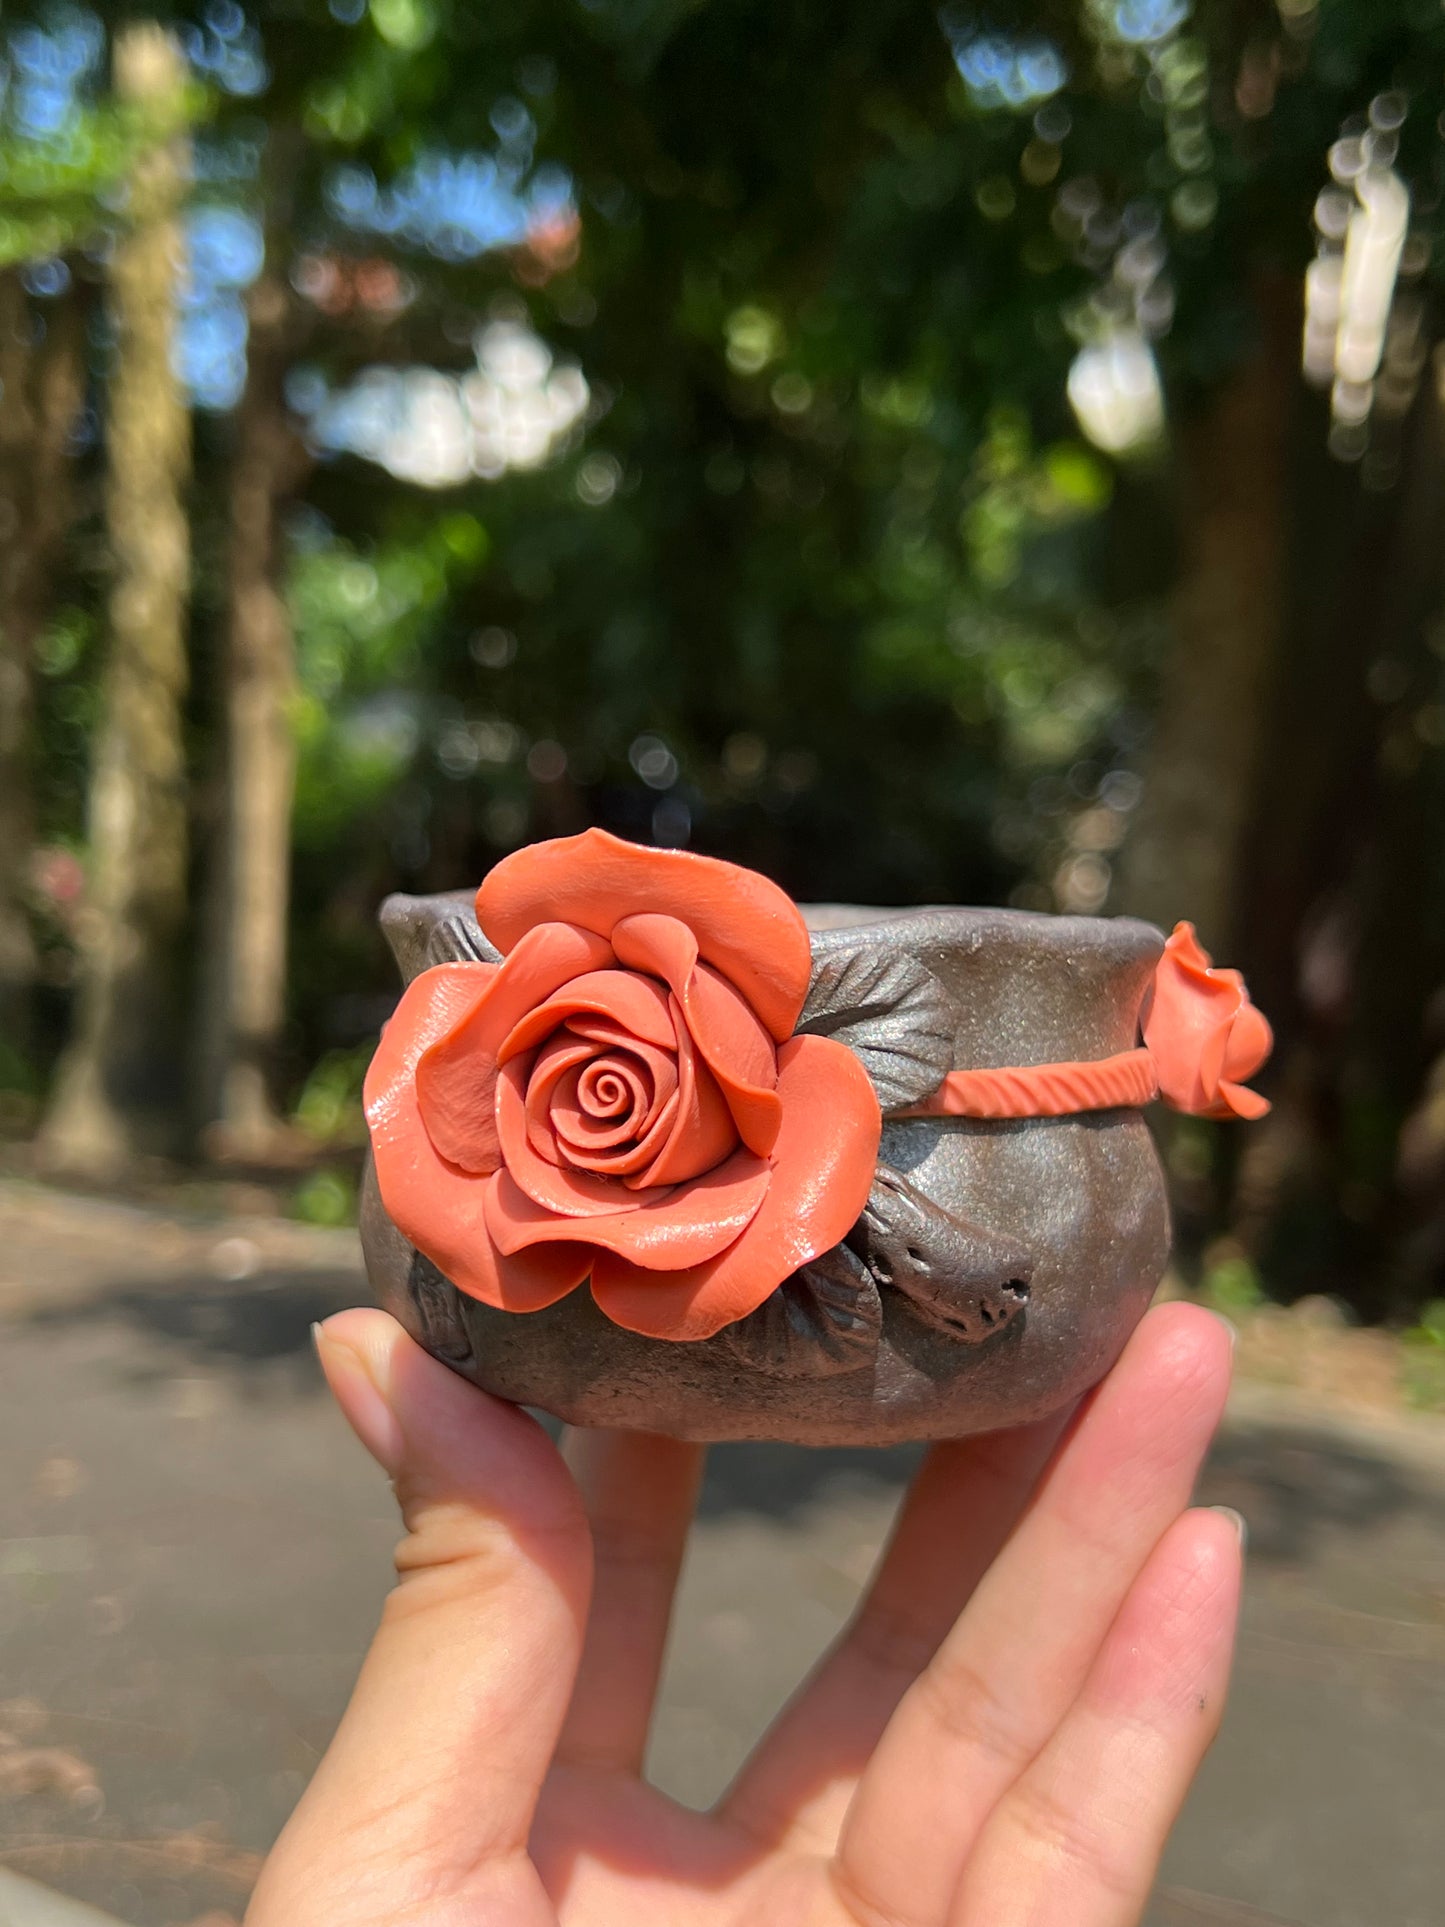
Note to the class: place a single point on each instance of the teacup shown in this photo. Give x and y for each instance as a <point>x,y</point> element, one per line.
<point>999,1262</point>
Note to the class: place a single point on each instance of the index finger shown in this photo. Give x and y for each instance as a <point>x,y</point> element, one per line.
<point>429,1787</point>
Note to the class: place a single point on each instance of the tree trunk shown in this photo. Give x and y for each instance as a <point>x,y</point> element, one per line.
<point>42,387</point>
<point>245,982</point>
<point>17,693</point>
<point>116,1080</point>
<point>1183,855</point>
<point>1339,1188</point>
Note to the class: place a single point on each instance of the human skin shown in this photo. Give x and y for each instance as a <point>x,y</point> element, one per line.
<point>1001,1737</point>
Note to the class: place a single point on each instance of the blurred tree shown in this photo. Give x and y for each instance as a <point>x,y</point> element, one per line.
<point>245,985</point>
<point>1187,849</point>
<point>311,297</point>
<point>42,388</point>
<point>116,1078</point>
<point>62,157</point>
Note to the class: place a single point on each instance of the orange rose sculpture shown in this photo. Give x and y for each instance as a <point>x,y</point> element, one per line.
<point>1204,1034</point>
<point>622,1099</point>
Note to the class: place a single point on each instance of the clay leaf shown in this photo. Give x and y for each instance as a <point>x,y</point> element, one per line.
<point>438,1306</point>
<point>889,1009</point>
<point>960,1277</point>
<point>458,939</point>
<point>423,931</point>
<point>823,1320</point>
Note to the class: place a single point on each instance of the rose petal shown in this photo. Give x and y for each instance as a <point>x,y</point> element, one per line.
<point>456,1077</point>
<point>1250,1042</point>
<point>1187,1024</point>
<point>745,925</point>
<point>735,1044</point>
<point>635,1010</point>
<point>702,1132</point>
<point>430,1007</point>
<point>1209,1070</point>
<point>632,1164</point>
<point>1186,952</point>
<point>664,1233</point>
<point>636,1004</point>
<point>822,1172</point>
<point>1238,1100</point>
<point>438,1208</point>
<point>562,1052</point>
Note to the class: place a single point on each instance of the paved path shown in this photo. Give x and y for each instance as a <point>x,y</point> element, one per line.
<point>192,1552</point>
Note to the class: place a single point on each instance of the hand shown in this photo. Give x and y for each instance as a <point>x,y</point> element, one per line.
<point>1003,1735</point>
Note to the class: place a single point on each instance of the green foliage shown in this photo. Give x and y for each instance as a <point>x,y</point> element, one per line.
<point>1430,1330</point>
<point>326,1197</point>
<point>1423,1366</point>
<point>19,1088</point>
<point>1232,1285</point>
<point>328,1108</point>
<point>61,192</point>
<point>363,624</point>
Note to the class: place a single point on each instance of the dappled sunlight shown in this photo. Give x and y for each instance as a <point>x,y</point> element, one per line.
<point>438,430</point>
<point>1003,72</point>
<point>1363,321</point>
<point>48,73</point>
<point>1115,391</point>
<point>456,207</point>
<point>224,253</point>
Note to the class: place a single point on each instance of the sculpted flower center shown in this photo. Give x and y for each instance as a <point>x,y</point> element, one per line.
<point>602,1104</point>
<point>641,1109</point>
<point>608,1087</point>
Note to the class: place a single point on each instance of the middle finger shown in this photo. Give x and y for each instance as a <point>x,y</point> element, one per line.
<point>795,1788</point>
<point>640,1491</point>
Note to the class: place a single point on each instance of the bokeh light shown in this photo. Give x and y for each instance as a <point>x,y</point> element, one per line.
<point>512,411</point>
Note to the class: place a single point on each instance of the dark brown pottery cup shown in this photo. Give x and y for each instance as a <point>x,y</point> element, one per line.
<point>997,1269</point>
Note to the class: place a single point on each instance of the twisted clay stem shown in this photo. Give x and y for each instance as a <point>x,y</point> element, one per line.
<point>1044,1090</point>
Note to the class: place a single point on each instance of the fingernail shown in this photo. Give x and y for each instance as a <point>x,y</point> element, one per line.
<point>1230,1326</point>
<point>349,1373</point>
<point>1236,1519</point>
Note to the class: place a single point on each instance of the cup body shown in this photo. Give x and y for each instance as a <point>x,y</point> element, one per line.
<point>1082,1195</point>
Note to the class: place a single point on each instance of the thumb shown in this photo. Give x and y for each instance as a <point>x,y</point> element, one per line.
<point>429,1787</point>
